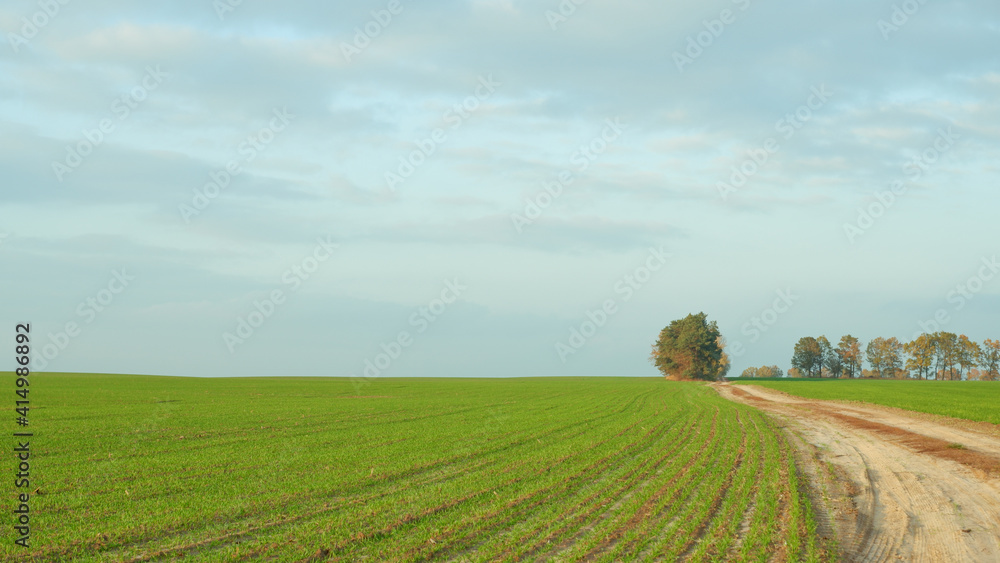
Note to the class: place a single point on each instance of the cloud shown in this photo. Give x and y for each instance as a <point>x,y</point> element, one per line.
<point>356,117</point>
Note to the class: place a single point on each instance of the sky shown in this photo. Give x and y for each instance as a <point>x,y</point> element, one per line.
<point>490,188</point>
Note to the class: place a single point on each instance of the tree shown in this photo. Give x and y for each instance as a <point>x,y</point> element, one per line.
<point>885,356</point>
<point>966,355</point>
<point>826,358</point>
<point>724,362</point>
<point>763,371</point>
<point>795,372</point>
<point>849,352</point>
<point>769,371</point>
<point>921,355</point>
<point>831,358</point>
<point>808,356</point>
<point>875,353</point>
<point>689,348</point>
<point>894,358</point>
<point>989,359</point>
<point>945,354</point>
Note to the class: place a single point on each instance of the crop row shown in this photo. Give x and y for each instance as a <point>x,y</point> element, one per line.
<point>417,470</point>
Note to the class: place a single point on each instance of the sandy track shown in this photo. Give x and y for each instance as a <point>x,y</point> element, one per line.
<point>893,489</point>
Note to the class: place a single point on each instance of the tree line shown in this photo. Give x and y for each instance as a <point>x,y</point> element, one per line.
<point>693,348</point>
<point>940,355</point>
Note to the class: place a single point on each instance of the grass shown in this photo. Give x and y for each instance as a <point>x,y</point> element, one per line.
<point>970,400</point>
<point>135,468</point>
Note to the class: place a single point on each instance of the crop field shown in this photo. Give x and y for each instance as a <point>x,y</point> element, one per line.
<point>971,400</point>
<point>133,468</point>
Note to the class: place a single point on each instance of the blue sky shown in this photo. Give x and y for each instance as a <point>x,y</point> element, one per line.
<point>490,187</point>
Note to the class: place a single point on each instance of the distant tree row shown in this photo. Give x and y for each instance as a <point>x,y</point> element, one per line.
<point>941,355</point>
<point>763,371</point>
<point>816,357</point>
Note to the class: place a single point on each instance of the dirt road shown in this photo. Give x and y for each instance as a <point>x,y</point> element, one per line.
<point>896,487</point>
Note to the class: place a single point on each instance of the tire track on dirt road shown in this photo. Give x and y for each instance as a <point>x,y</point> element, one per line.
<point>894,487</point>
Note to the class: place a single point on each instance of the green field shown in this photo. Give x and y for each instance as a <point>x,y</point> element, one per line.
<point>971,400</point>
<point>137,468</point>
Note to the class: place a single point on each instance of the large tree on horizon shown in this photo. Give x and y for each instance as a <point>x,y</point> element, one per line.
<point>885,355</point>
<point>808,356</point>
<point>690,348</point>
<point>829,359</point>
<point>945,355</point>
<point>849,352</point>
<point>989,359</point>
<point>921,356</point>
<point>967,355</point>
